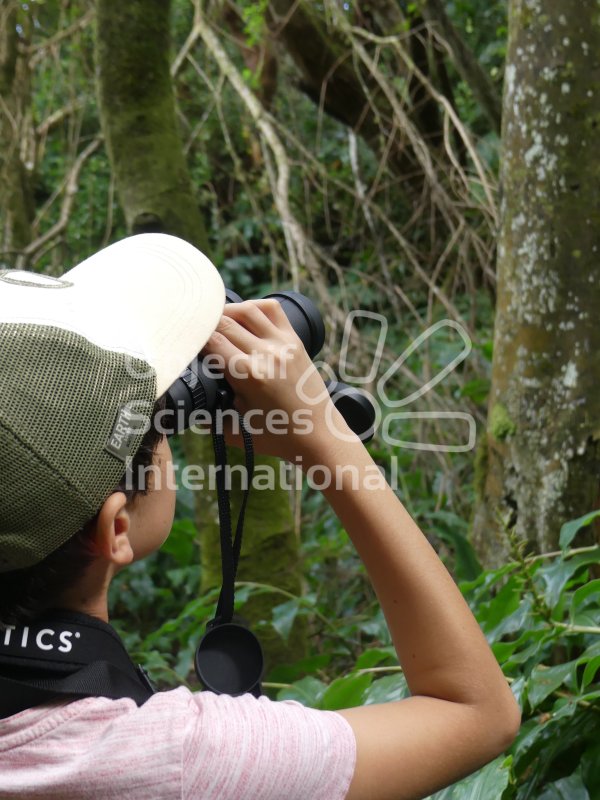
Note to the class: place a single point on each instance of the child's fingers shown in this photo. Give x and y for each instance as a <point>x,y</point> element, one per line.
<point>238,335</point>
<point>220,345</point>
<point>272,309</point>
<point>252,317</point>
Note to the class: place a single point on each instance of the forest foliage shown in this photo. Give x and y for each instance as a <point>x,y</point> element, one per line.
<point>401,221</point>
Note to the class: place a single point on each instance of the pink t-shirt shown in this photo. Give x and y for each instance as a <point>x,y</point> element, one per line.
<point>180,745</point>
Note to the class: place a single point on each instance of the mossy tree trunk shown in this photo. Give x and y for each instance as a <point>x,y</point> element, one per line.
<point>137,108</point>
<point>138,113</point>
<point>16,198</point>
<point>541,456</point>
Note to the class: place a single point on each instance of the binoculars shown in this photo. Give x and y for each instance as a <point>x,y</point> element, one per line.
<point>197,388</point>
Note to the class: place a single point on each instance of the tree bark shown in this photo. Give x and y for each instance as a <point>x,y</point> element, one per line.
<point>540,461</point>
<point>137,109</point>
<point>139,121</point>
<point>16,196</point>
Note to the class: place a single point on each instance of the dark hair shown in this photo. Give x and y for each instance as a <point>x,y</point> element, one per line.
<point>25,593</point>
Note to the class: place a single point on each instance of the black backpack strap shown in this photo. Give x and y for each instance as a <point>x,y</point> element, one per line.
<point>66,654</point>
<point>100,679</point>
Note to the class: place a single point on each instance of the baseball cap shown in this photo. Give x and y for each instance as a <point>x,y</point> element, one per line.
<point>83,359</point>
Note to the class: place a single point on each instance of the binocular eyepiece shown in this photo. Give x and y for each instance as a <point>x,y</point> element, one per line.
<point>198,389</point>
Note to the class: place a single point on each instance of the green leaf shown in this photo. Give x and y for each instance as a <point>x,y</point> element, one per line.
<point>513,620</point>
<point>375,656</point>
<point>543,681</point>
<point>589,697</point>
<point>564,707</point>
<point>571,788</point>
<point>581,595</point>
<point>387,689</point>
<point>181,541</point>
<point>307,691</point>
<point>531,731</point>
<point>589,673</point>
<point>503,650</point>
<point>478,390</point>
<point>524,648</point>
<point>557,574</point>
<point>480,587</point>
<point>519,689</point>
<point>589,769</point>
<point>486,784</point>
<point>287,673</point>
<point>284,616</point>
<point>588,617</point>
<point>590,652</point>
<point>346,692</point>
<point>570,529</point>
<point>466,564</point>
<point>493,614</point>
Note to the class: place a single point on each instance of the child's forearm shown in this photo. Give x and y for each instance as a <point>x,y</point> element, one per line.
<point>439,643</point>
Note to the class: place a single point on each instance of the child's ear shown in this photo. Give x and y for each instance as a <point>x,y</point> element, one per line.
<point>112,531</point>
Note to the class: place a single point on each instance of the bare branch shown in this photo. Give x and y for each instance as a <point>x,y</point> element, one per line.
<point>32,251</point>
<point>57,117</point>
<point>38,51</point>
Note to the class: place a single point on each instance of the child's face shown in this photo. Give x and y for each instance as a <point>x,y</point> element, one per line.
<point>152,514</point>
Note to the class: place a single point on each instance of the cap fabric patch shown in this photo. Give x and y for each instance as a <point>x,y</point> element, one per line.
<point>58,395</point>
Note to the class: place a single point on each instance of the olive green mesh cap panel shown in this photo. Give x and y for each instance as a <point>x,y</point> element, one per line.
<point>60,398</point>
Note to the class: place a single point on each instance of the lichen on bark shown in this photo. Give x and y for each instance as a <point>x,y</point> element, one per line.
<point>547,340</point>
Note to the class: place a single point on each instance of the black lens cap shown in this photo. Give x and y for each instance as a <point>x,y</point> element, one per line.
<point>229,660</point>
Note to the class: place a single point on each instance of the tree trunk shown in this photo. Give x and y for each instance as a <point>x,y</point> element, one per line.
<point>16,198</point>
<point>137,109</point>
<point>540,462</point>
<point>139,121</point>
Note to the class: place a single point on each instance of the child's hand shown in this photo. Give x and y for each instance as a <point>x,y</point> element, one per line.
<point>275,382</point>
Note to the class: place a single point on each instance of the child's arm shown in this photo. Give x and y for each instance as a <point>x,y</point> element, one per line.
<point>461,713</point>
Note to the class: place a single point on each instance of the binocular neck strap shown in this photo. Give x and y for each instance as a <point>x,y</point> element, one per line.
<point>230,549</point>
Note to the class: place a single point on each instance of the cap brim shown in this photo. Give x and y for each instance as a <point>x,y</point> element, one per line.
<point>160,288</point>
<point>152,296</point>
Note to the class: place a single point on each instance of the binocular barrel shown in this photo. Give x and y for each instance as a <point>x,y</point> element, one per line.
<point>199,389</point>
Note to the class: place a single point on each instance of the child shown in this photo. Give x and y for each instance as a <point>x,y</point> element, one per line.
<point>78,354</point>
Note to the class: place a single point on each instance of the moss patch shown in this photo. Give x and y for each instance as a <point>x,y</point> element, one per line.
<point>500,424</point>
